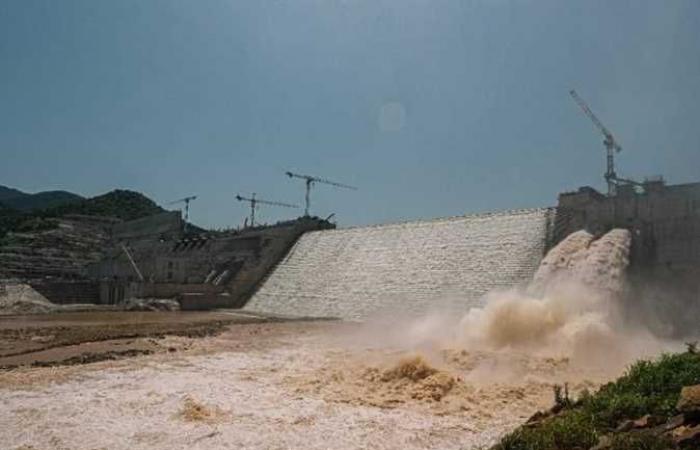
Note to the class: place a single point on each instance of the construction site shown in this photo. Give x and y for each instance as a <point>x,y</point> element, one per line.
<point>151,332</point>
<point>308,267</point>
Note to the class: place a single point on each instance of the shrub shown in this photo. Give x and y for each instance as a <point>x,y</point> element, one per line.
<point>574,429</point>
<point>639,441</point>
<point>648,387</point>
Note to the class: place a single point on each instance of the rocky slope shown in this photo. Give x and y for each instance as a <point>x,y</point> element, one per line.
<point>62,251</point>
<point>61,241</point>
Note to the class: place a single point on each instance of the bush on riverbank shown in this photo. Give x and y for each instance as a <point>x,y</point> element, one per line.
<point>648,389</point>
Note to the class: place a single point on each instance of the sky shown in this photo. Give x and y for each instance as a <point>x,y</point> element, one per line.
<point>430,107</point>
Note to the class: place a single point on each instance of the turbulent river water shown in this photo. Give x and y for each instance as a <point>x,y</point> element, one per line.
<point>436,379</point>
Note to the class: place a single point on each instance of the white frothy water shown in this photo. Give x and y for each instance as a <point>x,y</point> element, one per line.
<point>408,269</point>
<point>302,386</point>
<point>600,264</point>
<point>571,308</point>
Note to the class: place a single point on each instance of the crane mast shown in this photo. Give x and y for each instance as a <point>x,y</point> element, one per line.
<point>186,201</point>
<point>254,202</point>
<point>609,142</point>
<point>310,181</point>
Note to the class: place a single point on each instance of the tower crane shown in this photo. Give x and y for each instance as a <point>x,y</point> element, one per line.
<point>186,201</point>
<point>254,202</point>
<point>611,145</point>
<point>310,181</point>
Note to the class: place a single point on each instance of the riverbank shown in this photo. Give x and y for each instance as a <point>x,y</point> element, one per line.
<point>80,337</point>
<point>655,405</point>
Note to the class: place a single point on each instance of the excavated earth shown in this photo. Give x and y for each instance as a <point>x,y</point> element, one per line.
<point>275,385</point>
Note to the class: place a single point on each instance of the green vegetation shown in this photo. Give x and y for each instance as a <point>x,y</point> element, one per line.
<point>34,224</point>
<point>572,430</point>
<point>21,201</point>
<point>639,441</point>
<point>120,204</point>
<point>20,222</point>
<point>10,219</point>
<point>648,387</point>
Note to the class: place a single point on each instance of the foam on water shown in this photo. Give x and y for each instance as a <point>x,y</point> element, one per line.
<point>304,382</point>
<point>406,269</point>
<point>573,308</point>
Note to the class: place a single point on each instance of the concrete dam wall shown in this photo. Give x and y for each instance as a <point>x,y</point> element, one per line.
<point>407,268</point>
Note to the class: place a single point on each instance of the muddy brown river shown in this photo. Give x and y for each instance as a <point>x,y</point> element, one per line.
<point>64,338</point>
<point>310,385</point>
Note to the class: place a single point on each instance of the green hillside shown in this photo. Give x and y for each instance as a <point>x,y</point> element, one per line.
<point>23,201</point>
<point>8,193</point>
<point>120,204</point>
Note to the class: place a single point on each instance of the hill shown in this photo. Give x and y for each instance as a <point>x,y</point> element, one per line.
<point>23,201</point>
<point>8,193</point>
<point>9,219</point>
<point>4,209</point>
<point>61,241</point>
<point>117,204</point>
<point>120,204</point>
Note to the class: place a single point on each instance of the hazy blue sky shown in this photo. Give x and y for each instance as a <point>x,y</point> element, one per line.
<point>431,107</point>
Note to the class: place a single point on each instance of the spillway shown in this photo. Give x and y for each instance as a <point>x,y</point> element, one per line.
<point>406,268</point>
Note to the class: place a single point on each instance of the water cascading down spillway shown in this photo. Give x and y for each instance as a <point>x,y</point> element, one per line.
<point>409,268</point>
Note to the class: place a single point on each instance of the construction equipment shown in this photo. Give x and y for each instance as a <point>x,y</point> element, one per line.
<point>254,202</point>
<point>310,181</point>
<point>186,201</point>
<point>133,263</point>
<point>611,145</point>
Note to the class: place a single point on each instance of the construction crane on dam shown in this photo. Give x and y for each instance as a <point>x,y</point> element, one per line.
<point>186,201</point>
<point>310,181</point>
<point>611,146</point>
<point>254,202</point>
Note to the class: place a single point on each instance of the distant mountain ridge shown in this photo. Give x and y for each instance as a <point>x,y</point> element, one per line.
<point>22,201</point>
<point>64,238</point>
<point>8,192</point>
<point>20,212</point>
<point>120,203</point>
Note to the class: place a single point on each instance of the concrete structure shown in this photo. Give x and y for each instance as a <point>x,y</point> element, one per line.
<point>212,269</point>
<point>356,272</point>
<point>665,220</point>
<point>665,224</point>
<point>166,225</point>
<point>408,268</point>
<point>443,264</point>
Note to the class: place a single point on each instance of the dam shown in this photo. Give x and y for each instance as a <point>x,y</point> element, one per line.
<point>308,267</point>
<point>407,268</point>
